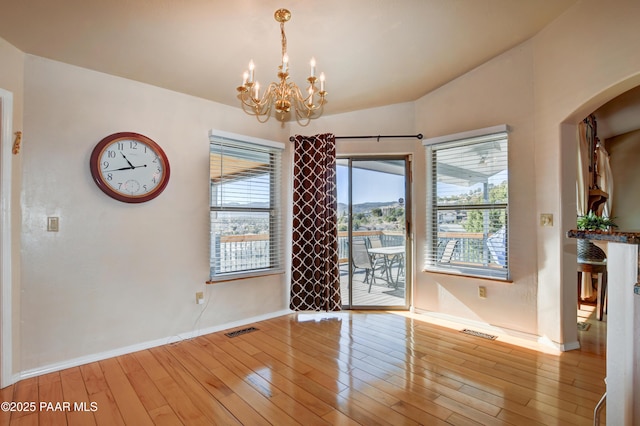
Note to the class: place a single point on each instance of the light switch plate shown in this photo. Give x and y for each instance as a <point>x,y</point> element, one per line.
<point>53,224</point>
<point>546,219</point>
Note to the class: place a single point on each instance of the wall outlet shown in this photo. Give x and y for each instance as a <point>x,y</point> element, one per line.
<point>482,292</point>
<point>53,224</point>
<point>546,219</point>
<point>199,297</point>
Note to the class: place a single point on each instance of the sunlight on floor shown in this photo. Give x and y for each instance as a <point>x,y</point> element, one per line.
<point>592,340</point>
<point>502,336</point>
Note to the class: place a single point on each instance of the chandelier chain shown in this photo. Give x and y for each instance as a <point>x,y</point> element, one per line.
<point>284,39</point>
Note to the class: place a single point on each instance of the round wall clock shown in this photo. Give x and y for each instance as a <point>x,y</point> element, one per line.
<point>129,167</point>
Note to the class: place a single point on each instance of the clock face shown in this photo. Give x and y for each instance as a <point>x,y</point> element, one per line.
<point>129,167</point>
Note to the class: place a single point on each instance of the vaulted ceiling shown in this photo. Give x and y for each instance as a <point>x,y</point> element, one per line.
<point>373,52</point>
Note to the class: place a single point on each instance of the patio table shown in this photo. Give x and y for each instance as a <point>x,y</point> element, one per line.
<point>390,255</point>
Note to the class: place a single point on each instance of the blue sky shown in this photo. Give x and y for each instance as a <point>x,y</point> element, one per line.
<point>369,186</point>
<point>375,186</point>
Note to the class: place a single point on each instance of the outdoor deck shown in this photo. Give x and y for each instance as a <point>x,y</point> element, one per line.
<point>381,295</point>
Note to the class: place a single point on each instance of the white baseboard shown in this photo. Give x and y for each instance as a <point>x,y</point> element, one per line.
<point>563,347</point>
<point>479,324</point>
<point>144,345</point>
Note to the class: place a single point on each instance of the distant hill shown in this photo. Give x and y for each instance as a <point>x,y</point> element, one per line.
<point>365,207</point>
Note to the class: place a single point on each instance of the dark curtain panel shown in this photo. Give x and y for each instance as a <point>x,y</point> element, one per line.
<point>315,274</point>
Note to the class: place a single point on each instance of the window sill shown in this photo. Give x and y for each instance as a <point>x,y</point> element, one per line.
<point>235,276</point>
<point>468,275</point>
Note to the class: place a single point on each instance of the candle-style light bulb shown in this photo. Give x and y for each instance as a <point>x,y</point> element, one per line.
<point>251,68</point>
<point>257,90</point>
<point>322,78</point>
<point>313,66</point>
<point>285,63</point>
<point>245,77</point>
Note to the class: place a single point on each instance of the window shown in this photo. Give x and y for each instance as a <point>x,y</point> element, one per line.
<point>467,203</point>
<point>244,206</point>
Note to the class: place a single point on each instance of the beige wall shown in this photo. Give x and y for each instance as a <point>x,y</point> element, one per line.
<point>121,274</point>
<point>499,92</point>
<point>541,88</point>
<point>582,60</point>
<point>624,153</point>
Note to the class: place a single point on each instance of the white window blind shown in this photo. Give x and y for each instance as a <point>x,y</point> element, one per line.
<point>467,203</point>
<point>246,224</point>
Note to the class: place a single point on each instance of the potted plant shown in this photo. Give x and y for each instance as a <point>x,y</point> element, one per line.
<point>593,222</point>
<point>587,251</point>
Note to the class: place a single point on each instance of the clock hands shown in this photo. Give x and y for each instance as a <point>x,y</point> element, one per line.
<point>131,166</point>
<point>121,168</point>
<point>124,168</point>
<point>128,162</point>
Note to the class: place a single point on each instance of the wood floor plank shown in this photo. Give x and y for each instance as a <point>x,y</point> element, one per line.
<point>240,409</point>
<point>25,391</point>
<point>293,390</point>
<point>280,389</point>
<point>309,382</point>
<point>144,387</point>
<point>182,406</point>
<point>164,416</point>
<point>74,390</point>
<point>249,394</point>
<point>27,419</point>
<point>53,408</point>
<point>254,390</point>
<point>558,413</point>
<point>210,407</point>
<point>340,368</point>
<point>98,390</point>
<point>6,395</point>
<point>377,411</point>
<point>396,397</point>
<point>130,406</point>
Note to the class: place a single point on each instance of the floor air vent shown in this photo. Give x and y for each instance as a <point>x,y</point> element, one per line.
<point>479,334</point>
<point>240,332</point>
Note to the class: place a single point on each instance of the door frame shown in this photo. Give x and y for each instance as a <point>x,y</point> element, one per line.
<point>408,175</point>
<point>6,274</point>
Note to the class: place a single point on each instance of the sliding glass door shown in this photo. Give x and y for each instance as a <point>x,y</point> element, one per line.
<point>373,203</point>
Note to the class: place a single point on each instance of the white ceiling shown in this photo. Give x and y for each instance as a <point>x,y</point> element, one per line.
<point>373,52</point>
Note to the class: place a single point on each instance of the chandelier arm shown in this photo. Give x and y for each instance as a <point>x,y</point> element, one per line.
<point>253,102</point>
<point>305,107</point>
<point>259,107</point>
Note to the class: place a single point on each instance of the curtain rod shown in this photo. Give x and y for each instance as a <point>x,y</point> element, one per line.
<point>378,137</point>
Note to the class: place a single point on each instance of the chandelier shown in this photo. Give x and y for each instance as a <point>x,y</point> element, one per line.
<point>283,96</point>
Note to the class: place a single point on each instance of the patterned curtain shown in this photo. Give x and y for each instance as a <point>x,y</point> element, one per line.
<point>315,274</point>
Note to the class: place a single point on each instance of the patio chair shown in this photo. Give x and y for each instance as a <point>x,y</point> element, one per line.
<point>361,259</point>
<point>447,253</point>
<point>375,243</point>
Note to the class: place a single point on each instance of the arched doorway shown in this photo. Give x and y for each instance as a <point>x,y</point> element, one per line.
<point>568,139</point>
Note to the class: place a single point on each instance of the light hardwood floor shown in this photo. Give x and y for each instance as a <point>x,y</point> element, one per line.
<point>346,368</point>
